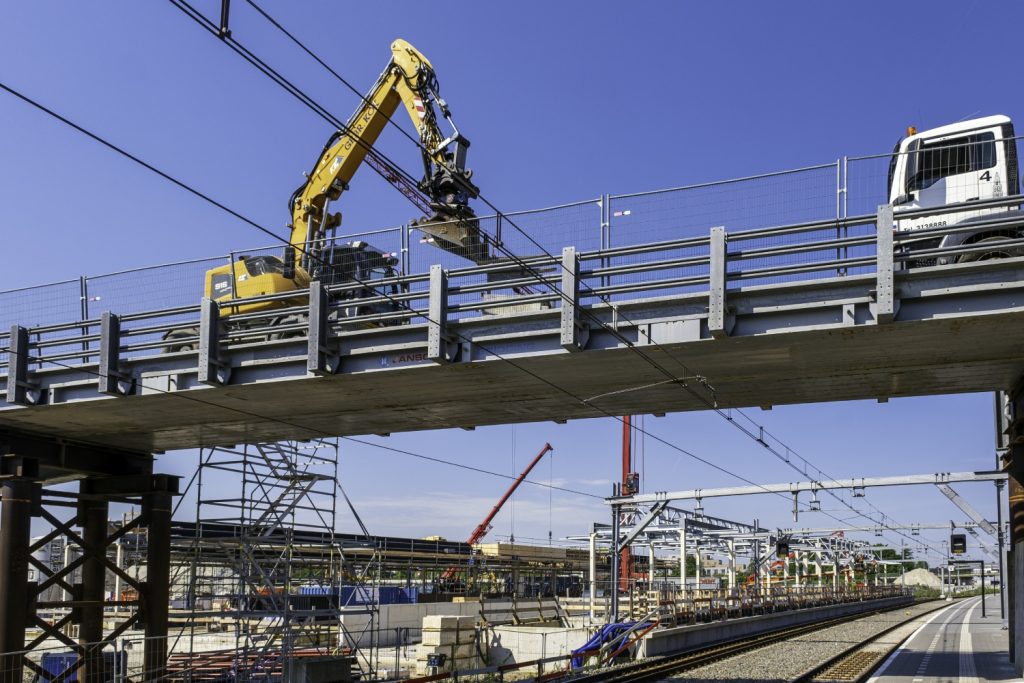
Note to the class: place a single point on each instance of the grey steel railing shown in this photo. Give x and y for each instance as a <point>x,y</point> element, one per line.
<point>780,228</point>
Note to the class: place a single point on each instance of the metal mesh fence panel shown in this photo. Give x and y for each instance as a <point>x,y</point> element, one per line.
<point>867,184</point>
<point>149,289</point>
<point>51,304</point>
<point>506,239</point>
<point>778,199</point>
<point>611,230</point>
<point>798,196</point>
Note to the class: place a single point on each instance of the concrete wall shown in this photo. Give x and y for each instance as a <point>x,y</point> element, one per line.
<point>683,638</point>
<point>391,617</point>
<point>512,644</point>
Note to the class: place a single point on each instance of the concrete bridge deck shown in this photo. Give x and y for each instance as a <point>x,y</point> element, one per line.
<point>580,343</point>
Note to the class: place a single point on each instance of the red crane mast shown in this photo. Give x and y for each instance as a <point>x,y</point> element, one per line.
<point>481,530</point>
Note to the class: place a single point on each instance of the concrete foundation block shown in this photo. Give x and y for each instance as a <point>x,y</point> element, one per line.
<point>436,637</point>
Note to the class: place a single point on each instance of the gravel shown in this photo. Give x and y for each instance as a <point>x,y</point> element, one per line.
<point>788,659</point>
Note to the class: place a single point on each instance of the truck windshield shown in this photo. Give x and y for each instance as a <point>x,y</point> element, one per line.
<point>938,160</point>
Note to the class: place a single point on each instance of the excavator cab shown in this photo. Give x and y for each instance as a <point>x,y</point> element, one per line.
<point>359,263</point>
<point>251,276</point>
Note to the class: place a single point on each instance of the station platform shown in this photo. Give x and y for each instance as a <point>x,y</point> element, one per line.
<point>955,643</point>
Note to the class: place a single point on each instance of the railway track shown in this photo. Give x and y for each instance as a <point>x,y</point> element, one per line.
<point>856,663</point>
<point>850,662</point>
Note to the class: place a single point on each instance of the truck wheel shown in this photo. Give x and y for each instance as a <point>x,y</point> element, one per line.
<point>994,252</point>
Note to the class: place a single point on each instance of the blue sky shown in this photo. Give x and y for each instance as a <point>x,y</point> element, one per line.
<point>563,102</point>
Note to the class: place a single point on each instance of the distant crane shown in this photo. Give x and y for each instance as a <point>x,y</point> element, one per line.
<point>485,526</point>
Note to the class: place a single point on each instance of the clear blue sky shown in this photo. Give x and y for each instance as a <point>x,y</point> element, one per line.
<point>562,101</point>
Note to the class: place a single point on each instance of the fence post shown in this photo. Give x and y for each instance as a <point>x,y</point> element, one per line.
<point>604,229</point>
<point>886,305</point>
<point>403,242</point>
<point>719,324</point>
<point>83,307</point>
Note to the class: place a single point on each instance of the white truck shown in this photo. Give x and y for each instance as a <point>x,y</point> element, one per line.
<point>969,161</point>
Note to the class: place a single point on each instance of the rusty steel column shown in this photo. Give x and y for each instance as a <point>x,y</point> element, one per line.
<point>158,578</point>
<point>1010,427</point>
<point>15,535</point>
<point>93,517</point>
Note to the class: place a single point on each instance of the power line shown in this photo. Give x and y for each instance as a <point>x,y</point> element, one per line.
<point>322,111</point>
<point>385,295</point>
<point>671,378</point>
<point>480,470</point>
<point>368,285</point>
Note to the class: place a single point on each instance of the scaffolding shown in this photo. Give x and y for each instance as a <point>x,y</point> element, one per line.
<point>265,564</point>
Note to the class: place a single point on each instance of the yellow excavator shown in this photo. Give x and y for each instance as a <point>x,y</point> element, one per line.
<point>443,195</point>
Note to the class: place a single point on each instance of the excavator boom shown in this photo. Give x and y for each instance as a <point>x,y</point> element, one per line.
<point>409,80</point>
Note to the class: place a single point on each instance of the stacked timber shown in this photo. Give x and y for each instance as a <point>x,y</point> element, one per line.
<point>454,638</point>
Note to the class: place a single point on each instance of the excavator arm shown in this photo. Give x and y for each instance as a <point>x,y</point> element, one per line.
<point>409,80</point>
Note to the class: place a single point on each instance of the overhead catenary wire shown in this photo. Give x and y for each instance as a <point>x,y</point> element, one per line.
<point>712,404</point>
<point>253,223</point>
<point>265,230</point>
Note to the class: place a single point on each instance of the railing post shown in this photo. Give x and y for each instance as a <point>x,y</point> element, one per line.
<point>211,370</point>
<point>17,368</point>
<point>437,314</point>
<point>573,336</point>
<point>886,305</point>
<point>404,241</point>
<point>320,359</point>
<point>604,227</point>
<point>83,307</point>
<point>110,342</point>
<point>719,324</point>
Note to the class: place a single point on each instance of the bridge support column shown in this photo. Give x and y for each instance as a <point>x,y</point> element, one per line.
<point>20,498</point>
<point>158,579</point>
<point>93,514</point>
<point>77,522</point>
<point>1010,435</point>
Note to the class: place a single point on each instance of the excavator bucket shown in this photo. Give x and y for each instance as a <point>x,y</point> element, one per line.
<point>459,235</point>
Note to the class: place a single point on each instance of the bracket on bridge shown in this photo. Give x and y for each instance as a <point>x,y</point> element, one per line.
<point>886,303</point>
<point>573,334</point>
<point>111,380</point>
<point>211,370</point>
<point>20,390</point>
<point>440,347</point>
<point>720,323</point>
<point>320,358</point>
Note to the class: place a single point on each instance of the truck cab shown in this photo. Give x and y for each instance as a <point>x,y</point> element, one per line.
<point>963,162</point>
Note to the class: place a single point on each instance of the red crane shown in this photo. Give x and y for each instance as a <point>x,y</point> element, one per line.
<point>630,485</point>
<point>481,530</point>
